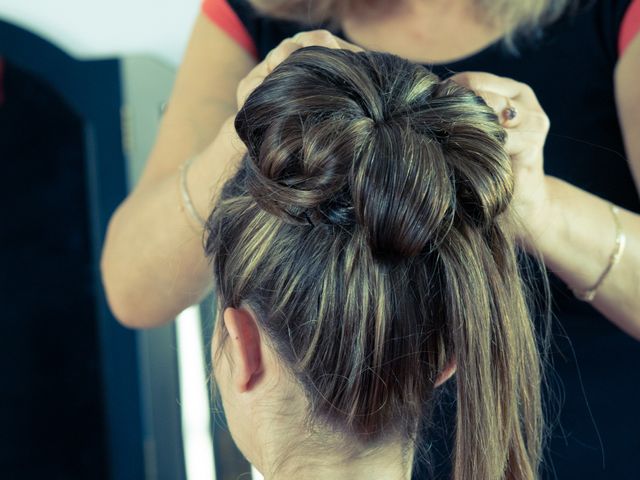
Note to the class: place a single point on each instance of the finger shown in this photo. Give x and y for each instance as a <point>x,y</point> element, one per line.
<point>534,123</point>
<point>497,102</point>
<point>274,58</point>
<point>321,38</point>
<point>324,38</point>
<point>488,82</point>
<point>502,94</point>
<point>507,110</point>
<point>527,137</point>
<point>248,85</point>
<point>300,40</point>
<point>280,54</point>
<point>349,46</point>
<point>512,114</point>
<point>483,81</point>
<point>516,143</point>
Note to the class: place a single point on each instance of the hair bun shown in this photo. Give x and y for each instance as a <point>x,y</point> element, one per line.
<point>365,316</point>
<point>299,172</point>
<point>336,137</point>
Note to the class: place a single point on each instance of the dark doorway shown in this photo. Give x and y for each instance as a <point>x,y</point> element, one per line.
<point>51,409</point>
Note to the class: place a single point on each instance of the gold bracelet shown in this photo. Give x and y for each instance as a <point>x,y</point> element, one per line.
<point>621,239</point>
<point>184,193</point>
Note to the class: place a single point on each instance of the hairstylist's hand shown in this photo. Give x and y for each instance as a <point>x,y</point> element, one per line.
<point>227,134</point>
<point>320,38</point>
<point>527,126</point>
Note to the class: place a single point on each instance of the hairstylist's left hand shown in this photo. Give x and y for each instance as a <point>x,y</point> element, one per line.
<point>320,38</point>
<point>526,134</point>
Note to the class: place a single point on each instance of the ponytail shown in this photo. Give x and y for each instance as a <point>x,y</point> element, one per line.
<point>368,228</point>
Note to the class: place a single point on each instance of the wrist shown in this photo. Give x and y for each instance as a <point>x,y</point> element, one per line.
<point>213,166</point>
<point>540,218</point>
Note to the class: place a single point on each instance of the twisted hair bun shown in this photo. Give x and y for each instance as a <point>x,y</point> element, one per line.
<point>364,227</point>
<point>377,143</point>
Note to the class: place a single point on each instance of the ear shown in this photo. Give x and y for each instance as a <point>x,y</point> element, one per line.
<point>447,373</point>
<point>244,345</point>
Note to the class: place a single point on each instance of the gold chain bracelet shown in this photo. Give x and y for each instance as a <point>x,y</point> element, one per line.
<point>184,193</point>
<point>621,239</point>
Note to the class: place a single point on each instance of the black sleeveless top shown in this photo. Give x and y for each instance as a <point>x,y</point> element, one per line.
<point>570,68</point>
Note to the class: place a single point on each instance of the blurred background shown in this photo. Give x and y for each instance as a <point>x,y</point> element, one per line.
<point>82,89</point>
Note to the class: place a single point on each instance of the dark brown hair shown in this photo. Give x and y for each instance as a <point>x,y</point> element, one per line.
<point>369,228</point>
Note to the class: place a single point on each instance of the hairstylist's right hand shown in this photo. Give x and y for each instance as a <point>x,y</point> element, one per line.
<point>320,38</point>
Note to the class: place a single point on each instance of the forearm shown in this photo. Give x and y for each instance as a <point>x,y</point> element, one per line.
<point>153,263</point>
<point>576,237</point>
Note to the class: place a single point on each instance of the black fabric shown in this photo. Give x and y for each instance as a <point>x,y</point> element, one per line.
<point>570,67</point>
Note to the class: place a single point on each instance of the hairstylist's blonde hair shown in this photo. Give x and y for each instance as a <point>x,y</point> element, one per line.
<point>517,17</point>
<point>368,228</point>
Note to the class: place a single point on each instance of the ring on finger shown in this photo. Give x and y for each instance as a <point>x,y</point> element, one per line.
<point>510,112</point>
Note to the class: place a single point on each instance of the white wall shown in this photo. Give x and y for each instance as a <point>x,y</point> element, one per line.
<point>108,28</point>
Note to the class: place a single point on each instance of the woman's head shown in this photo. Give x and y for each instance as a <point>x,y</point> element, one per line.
<point>364,247</point>
<point>522,17</point>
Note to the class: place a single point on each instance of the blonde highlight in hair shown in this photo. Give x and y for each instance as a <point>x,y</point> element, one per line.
<point>368,228</point>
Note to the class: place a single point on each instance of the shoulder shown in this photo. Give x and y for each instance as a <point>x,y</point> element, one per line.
<point>614,22</point>
<point>629,24</point>
<point>254,31</point>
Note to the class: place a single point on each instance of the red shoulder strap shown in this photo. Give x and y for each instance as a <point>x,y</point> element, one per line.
<point>221,13</point>
<point>629,27</point>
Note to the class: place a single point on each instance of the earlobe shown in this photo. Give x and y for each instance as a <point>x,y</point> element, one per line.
<point>245,348</point>
<point>447,373</point>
